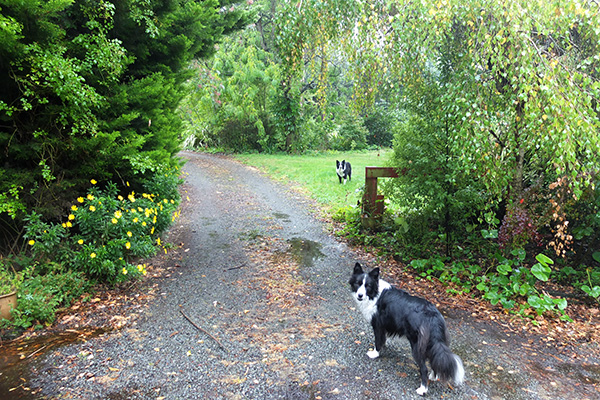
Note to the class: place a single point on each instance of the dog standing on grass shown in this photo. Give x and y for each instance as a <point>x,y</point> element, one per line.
<point>394,313</point>
<point>344,170</point>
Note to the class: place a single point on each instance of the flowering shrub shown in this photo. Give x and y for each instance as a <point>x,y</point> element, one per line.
<point>105,231</point>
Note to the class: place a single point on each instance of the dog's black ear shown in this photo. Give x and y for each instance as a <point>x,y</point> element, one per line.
<point>374,273</point>
<point>358,269</point>
<point>337,163</point>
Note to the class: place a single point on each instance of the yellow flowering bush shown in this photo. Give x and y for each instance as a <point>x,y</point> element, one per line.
<point>102,237</point>
<point>105,230</point>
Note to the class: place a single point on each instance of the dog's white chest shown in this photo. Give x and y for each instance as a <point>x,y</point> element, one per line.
<point>368,306</point>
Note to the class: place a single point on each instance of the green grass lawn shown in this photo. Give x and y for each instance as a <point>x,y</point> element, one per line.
<point>314,174</point>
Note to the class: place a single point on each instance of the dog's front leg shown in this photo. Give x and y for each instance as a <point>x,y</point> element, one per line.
<point>380,337</point>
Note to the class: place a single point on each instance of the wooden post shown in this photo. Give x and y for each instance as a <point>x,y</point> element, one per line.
<point>372,205</point>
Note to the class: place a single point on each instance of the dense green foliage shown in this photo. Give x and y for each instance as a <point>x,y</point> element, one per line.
<point>249,97</point>
<point>89,91</point>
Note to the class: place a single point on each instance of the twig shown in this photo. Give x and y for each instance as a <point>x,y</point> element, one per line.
<point>38,350</point>
<point>200,329</point>
<point>232,268</point>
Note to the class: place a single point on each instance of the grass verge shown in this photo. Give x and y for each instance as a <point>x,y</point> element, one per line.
<point>314,174</point>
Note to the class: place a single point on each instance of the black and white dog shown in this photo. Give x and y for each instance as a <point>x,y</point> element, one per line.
<point>344,170</point>
<point>393,312</point>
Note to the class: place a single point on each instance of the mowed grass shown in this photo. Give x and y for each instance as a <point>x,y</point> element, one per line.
<point>315,176</point>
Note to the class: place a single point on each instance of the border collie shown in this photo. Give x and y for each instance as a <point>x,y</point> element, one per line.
<point>393,312</point>
<point>344,170</point>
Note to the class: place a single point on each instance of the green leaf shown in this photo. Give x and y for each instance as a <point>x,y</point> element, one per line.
<point>520,253</point>
<point>592,292</point>
<point>543,259</point>
<point>489,234</point>
<point>535,301</point>
<point>482,287</point>
<point>542,272</point>
<point>504,269</point>
<point>561,304</point>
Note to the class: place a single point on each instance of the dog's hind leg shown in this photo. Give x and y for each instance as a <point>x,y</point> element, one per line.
<point>422,365</point>
<point>419,348</point>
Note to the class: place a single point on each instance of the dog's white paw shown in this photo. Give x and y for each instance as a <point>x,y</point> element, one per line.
<point>422,390</point>
<point>373,353</point>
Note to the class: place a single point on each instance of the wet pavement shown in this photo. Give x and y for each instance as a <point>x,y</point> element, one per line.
<point>257,306</point>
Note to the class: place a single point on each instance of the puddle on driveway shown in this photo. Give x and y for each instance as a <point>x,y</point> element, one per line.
<point>282,216</point>
<point>16,358</point>
<point>305,251</point>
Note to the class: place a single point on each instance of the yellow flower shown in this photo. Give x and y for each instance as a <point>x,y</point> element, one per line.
<point>144,223</point>
<point>90,196</point>
<point>127,183</point>
<point>152,231</point>
<point>80,241</point>
<point>135,220</point>
<point>118,214</point>
<point>69,224</point>
<point>71,217</point>
<point>64,225</point>
<point>114,220</point>
<point>92,208</point>
<point>120,197</point>
<point>127,245</point>
<point>124,271</point>
<point>74,207</point>
<point>158,241</point>
<point>31,242</point>
<point>93,255</point>
<point>80,199</point>
<point>131,197</point>
<point>93,181</point>
<point>129,233</point>
<point>140,267</point>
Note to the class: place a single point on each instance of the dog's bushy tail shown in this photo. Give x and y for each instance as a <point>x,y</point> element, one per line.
<point>446,365</point>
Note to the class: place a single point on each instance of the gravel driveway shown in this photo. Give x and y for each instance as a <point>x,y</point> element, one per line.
<point>258,307</point>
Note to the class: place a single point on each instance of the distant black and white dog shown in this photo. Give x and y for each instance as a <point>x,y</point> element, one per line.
<point>344,170</point>
<point>393,312</point>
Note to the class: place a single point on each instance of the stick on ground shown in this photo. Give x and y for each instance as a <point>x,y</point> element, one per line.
<point>203,330</point>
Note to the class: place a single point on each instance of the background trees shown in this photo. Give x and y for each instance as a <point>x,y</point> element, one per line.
<point>499,101</point>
